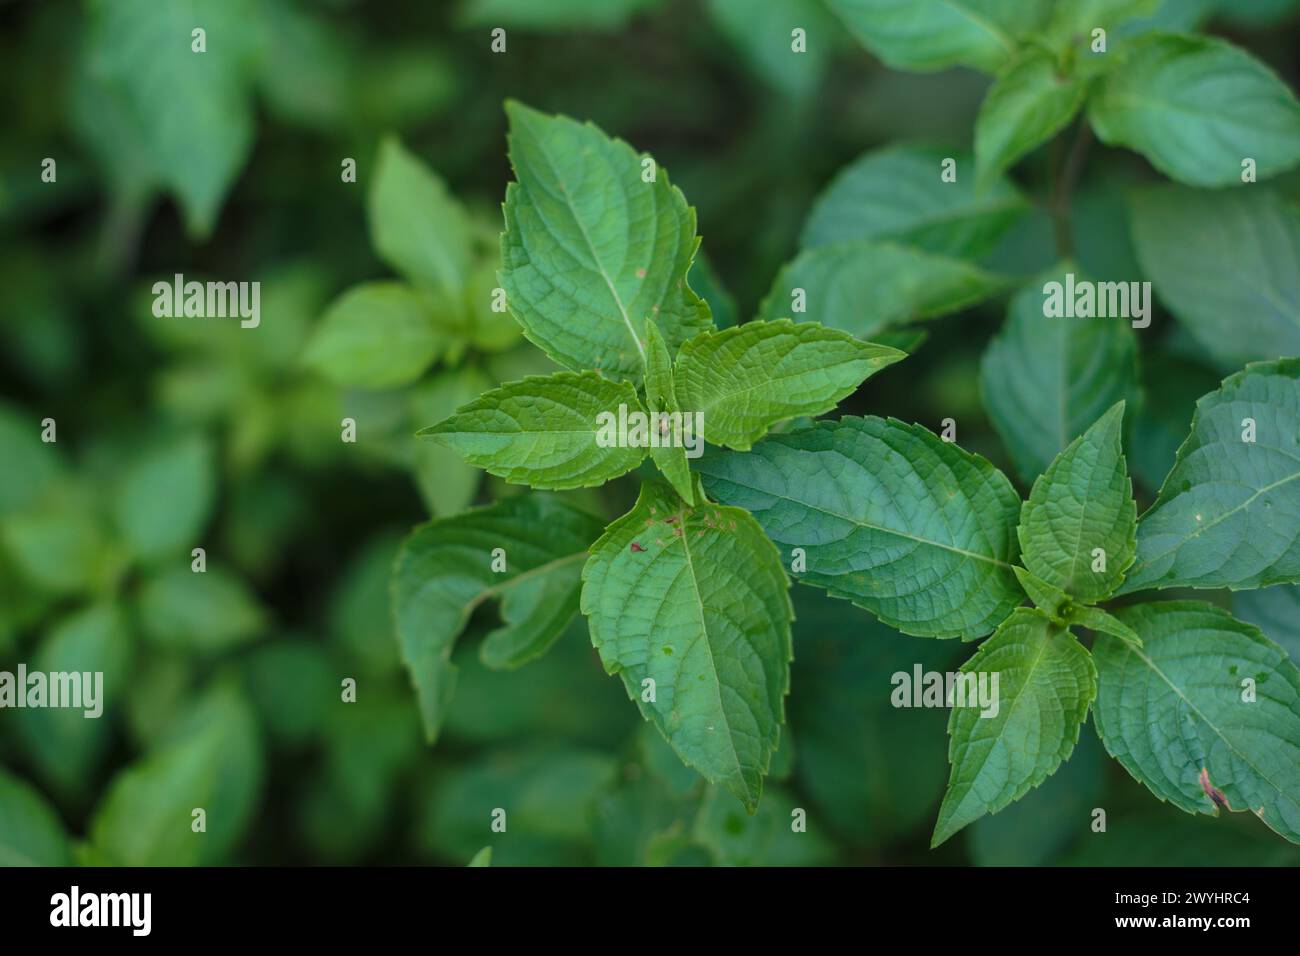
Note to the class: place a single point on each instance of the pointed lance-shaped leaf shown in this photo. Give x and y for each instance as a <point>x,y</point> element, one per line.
<point>591,250</point>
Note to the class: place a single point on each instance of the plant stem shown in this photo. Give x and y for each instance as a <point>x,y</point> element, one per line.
<point>1066,177</point>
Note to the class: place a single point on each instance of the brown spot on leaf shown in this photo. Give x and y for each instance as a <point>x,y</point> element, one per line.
<point>1211,791</point>
<point>636,547</point>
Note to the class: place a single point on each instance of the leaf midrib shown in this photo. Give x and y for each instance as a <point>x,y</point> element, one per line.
<point>586,238</point>
<point>873,527</point>
<point>1218,733</point>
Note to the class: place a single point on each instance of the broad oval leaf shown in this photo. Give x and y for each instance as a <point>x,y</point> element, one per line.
<point>1176,713</point>
<point>592,251</point>
<point>67,745</point>
<point>31,833</point>
<point>192,111</point>
<point>1196,107</point>
<point>1081,505</point>
<point>1235,287</point>
<point>415,224</point>
<point>211,759</point>
<point>998,752</point>
<point>546,431</point>
<point>746,379</point>
<point>445,570</point>
<point>1228,514</point>
<point>375,335</point>
<point>212,611</point>
<point>691,608</point>
<point>888,515</point>
<point>863,287</point>
<point>1027,105</point>
<point>898,193</point>
<point>934,34</point>
<point>166,497</point>
<point>1045,379</point>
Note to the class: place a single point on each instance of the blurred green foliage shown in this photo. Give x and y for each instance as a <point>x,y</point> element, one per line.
<point>223,689</point>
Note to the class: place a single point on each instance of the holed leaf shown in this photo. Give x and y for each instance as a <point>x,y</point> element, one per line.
<point>1206,713</point>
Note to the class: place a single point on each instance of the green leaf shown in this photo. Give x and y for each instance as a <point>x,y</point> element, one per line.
<point>1082,503</point>
<point>1035,829</point>
<point>1046,680</point>
<point>416,226</point>
<point>760,31</point>
<point>706,281</point>
<point>1176,712</point>
<point>1235,287</point>
<point>204,611</point>
<point>1196,107</point>
<point>935,34</point>
<point>1228,514</point>
<point>1171,387</point>
<point>1045,379</point>
<point>547,432</point>
<point>661,396</point>
<point>694,600</point>
<point>1095,619</point>
<point>747,379</point>
<point>166,498</point>
<point>59,543</point>
<point>554,15</point>
<point>193,111</point>
<point>1029,103</point>
<point>482,858</point>
<point>1077,19</point>
<point>548,794</point>
<point>65,744</point>
<point>447,483</point>
<point>1048,598</point>
<point>864,286</point>
<point>896,193</point>
<point>30,464</point>
<point>444,571</point>
<point>212,761</point>
<point>1275,611</point>
<point>31,833</point>
<point>908,526</point>
<point>375,335</point>
<point>591,251</point>
<point>764,838</point>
